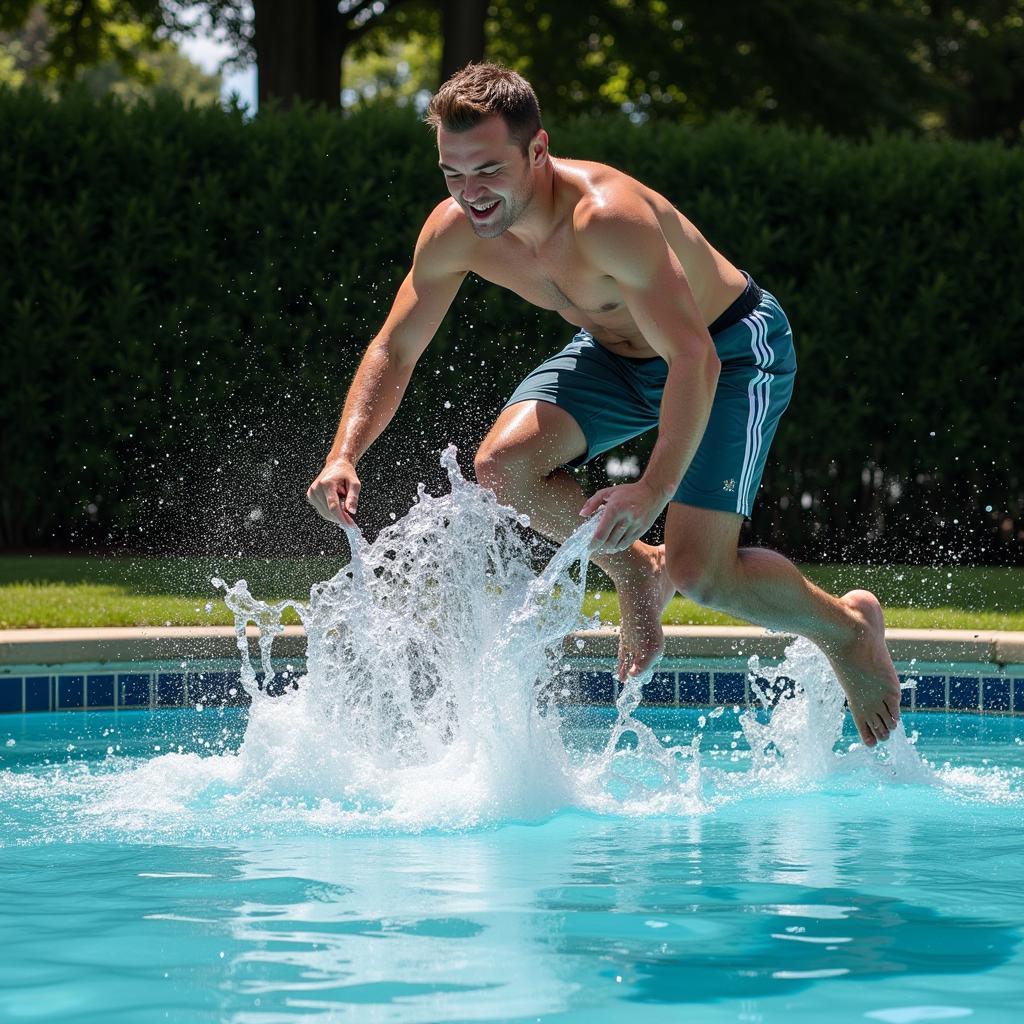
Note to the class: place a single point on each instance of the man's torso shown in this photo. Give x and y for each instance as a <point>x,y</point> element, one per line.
<point>558,277</point>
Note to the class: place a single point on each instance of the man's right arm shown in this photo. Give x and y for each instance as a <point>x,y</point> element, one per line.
<point>375,393</point>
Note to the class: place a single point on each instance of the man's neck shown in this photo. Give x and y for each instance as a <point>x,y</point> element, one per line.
<point>537,222</point>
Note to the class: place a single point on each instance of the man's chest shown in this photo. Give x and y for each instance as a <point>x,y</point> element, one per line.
<point>558,280</point>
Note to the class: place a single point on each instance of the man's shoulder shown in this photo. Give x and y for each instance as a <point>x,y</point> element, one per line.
<point>609,199</point>
<point>446,234</point>
<point>446,221</point>
<point>612,215</point>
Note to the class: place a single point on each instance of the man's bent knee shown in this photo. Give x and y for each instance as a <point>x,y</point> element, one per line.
<point>494,467</point>
<point>697,581</point>
<point>527,443</point>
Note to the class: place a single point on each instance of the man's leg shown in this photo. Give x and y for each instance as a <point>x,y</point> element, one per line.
<point>767,589</point>
<point>521,460</point>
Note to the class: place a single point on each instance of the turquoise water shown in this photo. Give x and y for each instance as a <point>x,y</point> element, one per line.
<point>419,831</point>
<point>849,897</point>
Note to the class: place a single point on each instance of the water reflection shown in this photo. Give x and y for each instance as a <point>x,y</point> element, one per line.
<point>579,916</point>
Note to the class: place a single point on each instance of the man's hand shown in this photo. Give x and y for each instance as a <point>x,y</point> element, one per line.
<point>629,512</point>
<point>335,492</point>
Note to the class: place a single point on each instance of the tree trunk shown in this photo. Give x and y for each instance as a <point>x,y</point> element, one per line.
<point>462,25</point>
<point>299,44</point>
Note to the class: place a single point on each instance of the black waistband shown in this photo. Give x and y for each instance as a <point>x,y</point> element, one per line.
<point>743,306</point>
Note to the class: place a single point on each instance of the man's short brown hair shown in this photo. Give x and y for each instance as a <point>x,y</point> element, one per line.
<point>482,90</point>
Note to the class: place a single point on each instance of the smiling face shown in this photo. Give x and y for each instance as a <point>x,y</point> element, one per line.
<point>488,174</point>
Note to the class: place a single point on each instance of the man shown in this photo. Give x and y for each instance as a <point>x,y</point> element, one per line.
<point>671,334</point>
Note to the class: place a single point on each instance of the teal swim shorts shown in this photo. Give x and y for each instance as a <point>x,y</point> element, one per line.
<point>614,398</point>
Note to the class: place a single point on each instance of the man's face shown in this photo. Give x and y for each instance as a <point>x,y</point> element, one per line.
<point>487,175</point>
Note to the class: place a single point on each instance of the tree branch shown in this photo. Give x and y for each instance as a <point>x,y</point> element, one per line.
<point>350,33</point>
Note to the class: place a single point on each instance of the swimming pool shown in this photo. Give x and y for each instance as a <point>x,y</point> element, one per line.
<point>429,821</point>
<point>850,897</point>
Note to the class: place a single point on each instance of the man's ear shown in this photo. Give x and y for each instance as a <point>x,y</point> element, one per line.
<point>539,148</point>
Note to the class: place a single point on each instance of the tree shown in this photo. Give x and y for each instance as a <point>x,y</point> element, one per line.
<point>82,34</point>
<point>463,30</point>
<point>846,65</point>
<point>25,56</point>
<point>300,44</point>
<point>978,48</point>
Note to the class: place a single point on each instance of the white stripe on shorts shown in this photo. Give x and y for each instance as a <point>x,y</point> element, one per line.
<point>758,395</point>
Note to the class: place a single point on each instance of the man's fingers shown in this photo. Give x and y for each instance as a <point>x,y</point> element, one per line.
<point>333,503</point>
<point>617,540</point>
<point>594,502</point>
<point>603,531</point>
<point>352,498</point>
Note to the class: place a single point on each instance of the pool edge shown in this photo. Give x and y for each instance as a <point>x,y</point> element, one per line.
<point>123,644</point>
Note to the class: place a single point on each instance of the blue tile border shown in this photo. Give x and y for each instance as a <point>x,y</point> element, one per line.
<point>695,688</point>
<point>729,688</point>
<point>964,693</point>
<point>134,690</point>
<point>171,690</point>
<point>151,686</point>
<point>1018,695</point>
<point>996,694</point>
<point>70,692</point>
<point>931,692</point>
<point>661,689</point>
<point>37,693</point>
<point>12,698</point>
<point>597,687</point>
<point>99,690</point>
<point>907,693</point>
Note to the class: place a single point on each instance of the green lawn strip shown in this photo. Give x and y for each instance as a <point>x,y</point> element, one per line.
<point>54,605</point>
<point>268,577</point>
<point>685,613</point>
<point>72,591</point>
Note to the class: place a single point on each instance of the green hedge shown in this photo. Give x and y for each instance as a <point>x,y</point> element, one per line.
<point>184,296</point>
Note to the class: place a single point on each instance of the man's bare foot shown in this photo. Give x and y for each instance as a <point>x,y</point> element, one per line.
<point>866,671</point>
<point>644,593</point>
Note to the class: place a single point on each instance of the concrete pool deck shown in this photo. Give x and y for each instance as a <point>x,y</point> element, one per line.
<point>152,644</point>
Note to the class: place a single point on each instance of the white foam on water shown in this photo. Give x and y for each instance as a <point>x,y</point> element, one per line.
<point>429,702</point>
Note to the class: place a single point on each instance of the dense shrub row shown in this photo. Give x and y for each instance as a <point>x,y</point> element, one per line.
<point>184,296</point>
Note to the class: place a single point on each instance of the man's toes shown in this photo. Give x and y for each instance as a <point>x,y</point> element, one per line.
<point>642,664</point>
<point>866,734</point>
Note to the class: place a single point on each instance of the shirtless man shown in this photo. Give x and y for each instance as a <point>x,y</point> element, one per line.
<point>671,335</point>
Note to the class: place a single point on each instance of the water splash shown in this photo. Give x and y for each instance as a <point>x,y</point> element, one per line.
<point>432,662</point>
<point>797,744</point>
<point>430,701</point>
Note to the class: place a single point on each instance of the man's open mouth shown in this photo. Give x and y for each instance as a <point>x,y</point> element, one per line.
<point>482,211</point>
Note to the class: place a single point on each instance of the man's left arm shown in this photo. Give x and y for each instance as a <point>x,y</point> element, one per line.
<point>628,245</point>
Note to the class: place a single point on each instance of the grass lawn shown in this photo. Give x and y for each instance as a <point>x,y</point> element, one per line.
<point>71,591</point>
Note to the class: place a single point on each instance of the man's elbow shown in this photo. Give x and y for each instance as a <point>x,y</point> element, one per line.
<point>700,360</point>
<point>708,363</point>
<point>713,366</point>
<point>388,350</point>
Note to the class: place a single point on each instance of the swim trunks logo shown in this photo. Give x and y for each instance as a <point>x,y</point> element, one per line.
<point>730,486</point>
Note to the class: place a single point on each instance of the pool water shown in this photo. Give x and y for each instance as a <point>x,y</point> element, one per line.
<point>418,829</point>
<point>853,897</point>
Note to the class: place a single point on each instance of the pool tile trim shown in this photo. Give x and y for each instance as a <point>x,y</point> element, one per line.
<point>954,670</point>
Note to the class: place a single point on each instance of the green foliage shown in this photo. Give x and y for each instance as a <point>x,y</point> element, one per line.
<point>850,66</point>
<point>86,33</point>
<point>26,56</point>
<point>186,294</point>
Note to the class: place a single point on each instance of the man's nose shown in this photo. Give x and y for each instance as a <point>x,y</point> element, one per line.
<point>472,190</point>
